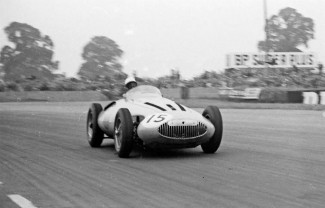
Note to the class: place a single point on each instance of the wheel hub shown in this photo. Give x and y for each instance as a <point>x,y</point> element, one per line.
<point>117,136</point>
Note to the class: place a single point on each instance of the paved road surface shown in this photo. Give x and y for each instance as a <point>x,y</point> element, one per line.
<point>268,158</point>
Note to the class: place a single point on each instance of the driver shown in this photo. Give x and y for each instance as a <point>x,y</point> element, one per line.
<point>130,83</point>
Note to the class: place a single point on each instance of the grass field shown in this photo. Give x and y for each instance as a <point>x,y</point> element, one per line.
<point>51,96</point>
<point>202,103</point>
<point>195,93</point>
<point>199,98</point>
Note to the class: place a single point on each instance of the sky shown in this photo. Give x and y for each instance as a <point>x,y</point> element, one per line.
<point>157,35</point>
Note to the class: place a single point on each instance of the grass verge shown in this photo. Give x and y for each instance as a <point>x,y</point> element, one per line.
<point>202,103</point>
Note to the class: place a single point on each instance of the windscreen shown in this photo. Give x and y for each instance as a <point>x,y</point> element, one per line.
<point>143,91</point>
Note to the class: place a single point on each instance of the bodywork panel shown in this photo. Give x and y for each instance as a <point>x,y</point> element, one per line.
<point>160,122</point>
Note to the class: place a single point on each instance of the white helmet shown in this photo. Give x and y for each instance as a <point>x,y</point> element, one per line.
<point>129,79</point>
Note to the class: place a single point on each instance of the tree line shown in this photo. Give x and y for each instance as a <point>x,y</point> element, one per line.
<point>31,58</point>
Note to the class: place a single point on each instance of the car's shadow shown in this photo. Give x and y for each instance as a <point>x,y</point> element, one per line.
<point>140,152</point>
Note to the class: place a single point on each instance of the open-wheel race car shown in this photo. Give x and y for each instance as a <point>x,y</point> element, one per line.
<point>145,117</point>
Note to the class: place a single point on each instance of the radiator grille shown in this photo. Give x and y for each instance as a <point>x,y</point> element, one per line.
<point>182,132</point>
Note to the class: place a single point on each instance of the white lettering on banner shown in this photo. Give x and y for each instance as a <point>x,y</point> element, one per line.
<point>272,59</point>
<point>252,93</point>
<point>236,94</point>
<point>310,98</point>
<point>248,93</point>
<point>322,98</point>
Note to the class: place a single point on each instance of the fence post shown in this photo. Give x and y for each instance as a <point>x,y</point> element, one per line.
<point>184,92</point>
<point>322,97</point>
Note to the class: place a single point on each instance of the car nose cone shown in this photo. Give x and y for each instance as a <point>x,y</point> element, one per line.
<point>182,122</point>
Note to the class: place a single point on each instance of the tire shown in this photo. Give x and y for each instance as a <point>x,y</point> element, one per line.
<point>95,135</point>
<point>123,133</point>
<point>213,114</point>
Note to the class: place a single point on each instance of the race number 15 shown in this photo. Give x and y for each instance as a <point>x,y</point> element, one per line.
<point>157,118</point>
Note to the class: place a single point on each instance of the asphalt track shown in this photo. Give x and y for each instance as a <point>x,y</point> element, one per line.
<point>268,158</point>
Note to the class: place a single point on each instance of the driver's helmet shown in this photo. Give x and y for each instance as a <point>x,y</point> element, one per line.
<point>130,83</point>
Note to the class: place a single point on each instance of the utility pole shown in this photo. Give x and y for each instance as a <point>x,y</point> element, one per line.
<point>266,26</point>
<point>266,38</point>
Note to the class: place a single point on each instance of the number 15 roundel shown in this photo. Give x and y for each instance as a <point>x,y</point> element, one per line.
<point>156,119</point>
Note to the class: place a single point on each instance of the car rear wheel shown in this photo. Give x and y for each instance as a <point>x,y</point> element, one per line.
<point>213,114</point>
<point>94,134</point>
<point>123,133</point>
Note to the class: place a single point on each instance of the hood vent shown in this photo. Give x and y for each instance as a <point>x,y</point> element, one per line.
<point>171,107</point>
<point>180,106</point>
<point>156,106</point>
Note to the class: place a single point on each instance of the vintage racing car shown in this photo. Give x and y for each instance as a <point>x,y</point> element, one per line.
<point>145,117</point>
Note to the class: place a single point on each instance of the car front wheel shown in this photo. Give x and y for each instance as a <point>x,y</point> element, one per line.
<point>94,134</point>
<point>213,114</point>
<point>123,133</point>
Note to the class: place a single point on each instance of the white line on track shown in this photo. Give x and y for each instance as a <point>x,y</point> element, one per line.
<point>21,201</point>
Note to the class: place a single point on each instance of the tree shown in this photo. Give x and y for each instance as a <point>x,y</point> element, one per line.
<point>102,59</point>
<point>31,56</point>
<point>286,31</point>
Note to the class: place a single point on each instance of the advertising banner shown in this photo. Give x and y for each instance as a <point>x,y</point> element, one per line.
<point>271,59</point>
<point>251,93</point>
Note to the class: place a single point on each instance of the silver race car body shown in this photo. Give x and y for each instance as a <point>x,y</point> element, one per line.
<point>158,122</point>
